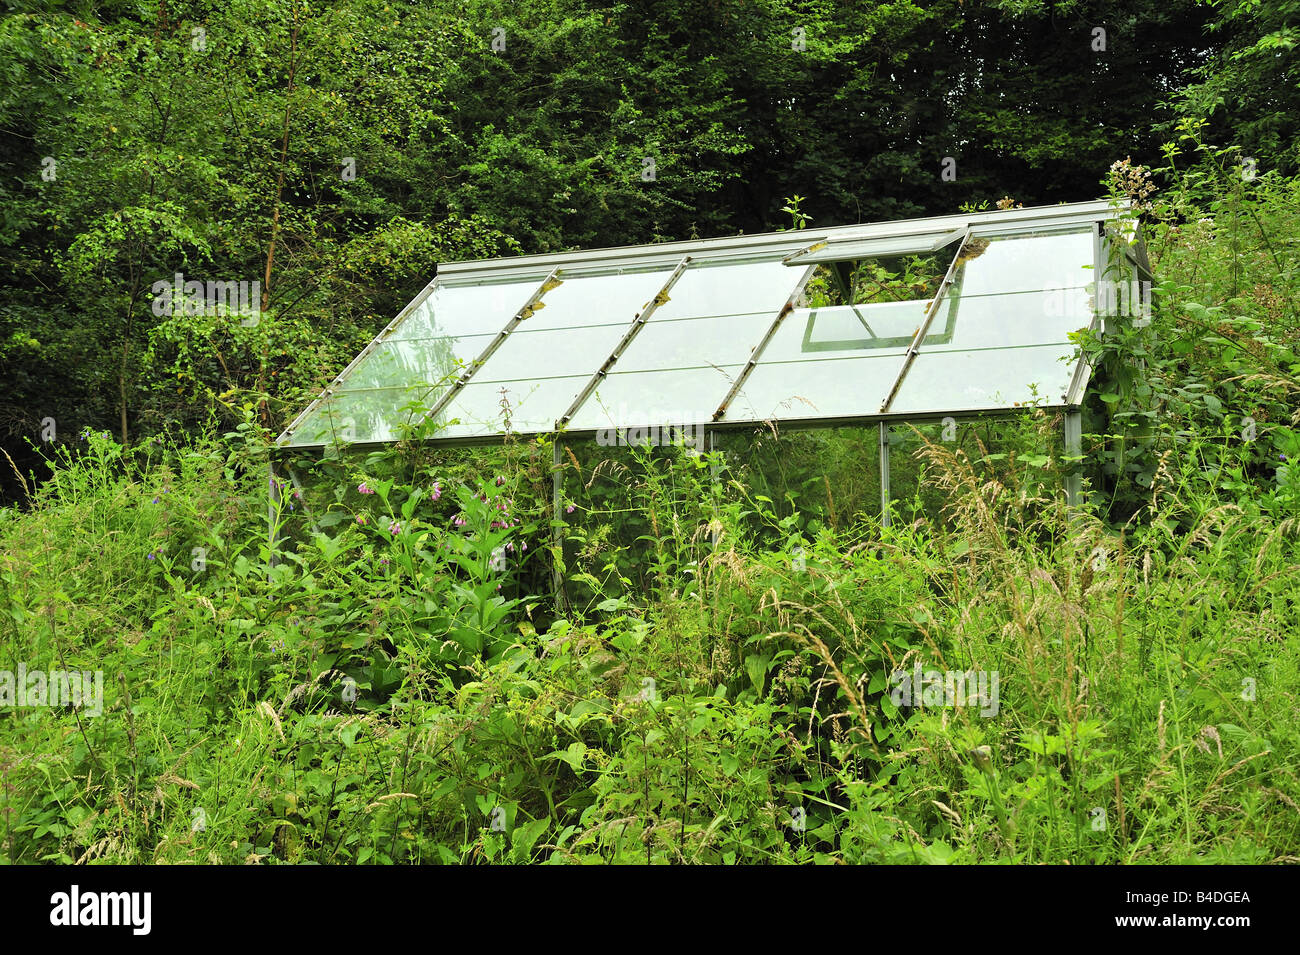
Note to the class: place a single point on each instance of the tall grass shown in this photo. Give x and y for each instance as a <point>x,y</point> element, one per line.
<point>397,684</point>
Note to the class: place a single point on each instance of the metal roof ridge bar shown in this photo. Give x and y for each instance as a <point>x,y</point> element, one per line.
<point>757,353</point>
<point>914,349</point>
<point>529,307</point>
<point>778,243</point>
<point>638,323</point>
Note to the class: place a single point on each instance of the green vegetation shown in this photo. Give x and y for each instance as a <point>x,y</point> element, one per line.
<point>394,681</point>
<point>398,687</point>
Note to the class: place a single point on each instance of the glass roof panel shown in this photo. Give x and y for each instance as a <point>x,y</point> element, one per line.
<point>550,353</point>
<point>713,319</point>
<point>1013,306</point>
<point>457,309</point>
<point>695,342</point>
<point>735,288</point>
<point>547,361</point>
<point>842,250</point>
<point>531,405</point>
<point>402,364</point>
<point>1026,263</point>
<point>1003,328</point>
<point>648,398</point>
<point>834,362</point>
<point>811,334</point>
<point>1023,318</point>
<point>829,386</point>
<point>596,300</point>
<point>986,378</point>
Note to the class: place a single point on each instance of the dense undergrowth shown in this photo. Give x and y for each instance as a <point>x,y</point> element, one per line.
<point>393,682</point>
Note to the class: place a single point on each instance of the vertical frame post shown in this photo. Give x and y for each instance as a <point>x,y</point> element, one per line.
<point>557,522</point>
<point>1073,454</point>
<point>714,470</point>
<point>272,511</point>
<point>884,474</point>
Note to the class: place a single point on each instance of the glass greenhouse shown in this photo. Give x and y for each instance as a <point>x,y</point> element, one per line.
<point>958,315</point>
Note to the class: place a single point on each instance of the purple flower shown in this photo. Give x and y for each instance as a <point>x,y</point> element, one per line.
<point>155,500</point>
<point>395,528</point>
<point>500,481</point>
<point>1281,457</point>
<point>458,521</point>
<point>569,509</point>
<point>524,546</point>
<point>364,488</point>
<point>437,491</point>
<point>149,556</point>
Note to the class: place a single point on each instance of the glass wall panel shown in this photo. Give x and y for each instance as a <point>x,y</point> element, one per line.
<point>361,416</point>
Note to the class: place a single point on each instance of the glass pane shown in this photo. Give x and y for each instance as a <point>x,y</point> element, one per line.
<point>456,310</point>
<point>402,364</point>
<point>696,342</point>
<point>1026,263</point>
<point>819,387</point>
<point>361,416</point>
<point>582,323</point>
<point>810,334</point>
<point>987,378</point>
<point>729,289</point>
<point>1024,318</point>
<point>697,339</point>
<point>552,353</point>
<point>834,362</point>
<point>632,399</point>
<point>597,300</point>
<point>531,407</point>
<point>846,250</point>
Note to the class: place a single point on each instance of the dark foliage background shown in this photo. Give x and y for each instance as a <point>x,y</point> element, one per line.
<point>145,139</point>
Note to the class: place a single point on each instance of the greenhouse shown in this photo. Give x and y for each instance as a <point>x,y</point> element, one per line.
<point>874,324</point>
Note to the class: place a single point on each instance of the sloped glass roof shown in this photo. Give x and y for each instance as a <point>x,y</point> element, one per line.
<point>724,332</point>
